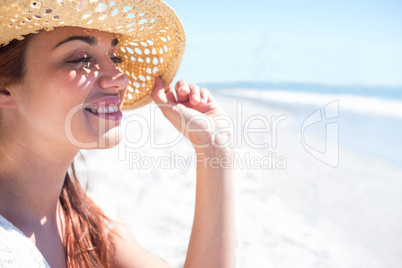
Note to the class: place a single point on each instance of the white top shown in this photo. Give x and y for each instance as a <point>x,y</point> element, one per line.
<point>16,250</point>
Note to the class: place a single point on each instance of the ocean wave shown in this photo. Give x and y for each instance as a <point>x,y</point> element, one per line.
<point>347,102</point>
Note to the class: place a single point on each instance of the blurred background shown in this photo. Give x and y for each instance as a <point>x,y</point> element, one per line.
<point>327,190</point>
<point>324,47</point>
<point>353,43</point>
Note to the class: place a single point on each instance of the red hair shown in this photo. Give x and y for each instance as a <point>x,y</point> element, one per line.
<point>86,241</point>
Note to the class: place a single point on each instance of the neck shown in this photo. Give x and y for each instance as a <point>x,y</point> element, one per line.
<point>31,180</point>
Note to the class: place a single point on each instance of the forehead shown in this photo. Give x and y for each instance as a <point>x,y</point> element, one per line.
<point>52,38</point>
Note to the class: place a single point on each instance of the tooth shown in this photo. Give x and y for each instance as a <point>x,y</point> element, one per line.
<point>93,110</point>
<point>100,110</point>
<point>111,109</point>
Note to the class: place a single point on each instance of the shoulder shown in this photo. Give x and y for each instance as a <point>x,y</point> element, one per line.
<point>128,252</point>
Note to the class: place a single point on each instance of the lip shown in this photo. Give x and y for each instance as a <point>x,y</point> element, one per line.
<point>109,103</point>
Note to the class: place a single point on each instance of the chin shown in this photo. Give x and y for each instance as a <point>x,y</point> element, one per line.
<point>95,138</point>
<point>110,139</point>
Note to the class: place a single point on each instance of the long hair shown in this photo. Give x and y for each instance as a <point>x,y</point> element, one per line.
<point>86,242</point>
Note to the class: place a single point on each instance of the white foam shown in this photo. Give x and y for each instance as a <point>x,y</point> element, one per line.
<point>352,103</point>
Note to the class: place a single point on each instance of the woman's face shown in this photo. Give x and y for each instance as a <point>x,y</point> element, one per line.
<point>73,89</point>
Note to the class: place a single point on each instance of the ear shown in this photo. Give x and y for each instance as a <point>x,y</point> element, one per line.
<point>7,99</point>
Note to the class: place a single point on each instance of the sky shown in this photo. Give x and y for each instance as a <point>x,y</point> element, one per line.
<point>340,42</point>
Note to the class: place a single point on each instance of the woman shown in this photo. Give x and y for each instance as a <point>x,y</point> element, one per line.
<point>67,69</point>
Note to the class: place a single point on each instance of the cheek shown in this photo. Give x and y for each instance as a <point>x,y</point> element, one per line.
<point>71,88</point>
<point>66,92</point>
<point>74,88</point>
<point>77,82</point>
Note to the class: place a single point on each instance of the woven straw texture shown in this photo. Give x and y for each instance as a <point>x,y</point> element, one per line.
<point>151,36</point>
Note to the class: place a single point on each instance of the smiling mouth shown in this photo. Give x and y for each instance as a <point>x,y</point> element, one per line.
<point>109,109</point>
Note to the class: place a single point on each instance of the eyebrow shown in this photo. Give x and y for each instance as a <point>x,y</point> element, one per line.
<point>87,39</point>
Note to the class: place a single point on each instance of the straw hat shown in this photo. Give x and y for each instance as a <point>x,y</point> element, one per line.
<point>151,36</point>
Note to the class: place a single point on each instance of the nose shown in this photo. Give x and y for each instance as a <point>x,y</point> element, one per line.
<point>113,79</point>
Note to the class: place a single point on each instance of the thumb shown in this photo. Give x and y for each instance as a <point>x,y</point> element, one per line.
<point>166,102</point>
<point>160,95</point>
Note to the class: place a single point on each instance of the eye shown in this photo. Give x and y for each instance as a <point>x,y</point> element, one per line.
<point>117,59</point>
<point>81,61</point>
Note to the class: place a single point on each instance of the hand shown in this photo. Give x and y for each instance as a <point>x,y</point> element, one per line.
<point>195,114</point>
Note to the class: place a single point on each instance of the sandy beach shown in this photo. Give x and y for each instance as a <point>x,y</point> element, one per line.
<point>297,206</point>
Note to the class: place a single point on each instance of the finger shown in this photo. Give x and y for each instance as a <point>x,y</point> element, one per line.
<point>194,97</point>
<point>204,96</point>
<point>182,90</point>
<point>166,101</point>
<point>160,95</point>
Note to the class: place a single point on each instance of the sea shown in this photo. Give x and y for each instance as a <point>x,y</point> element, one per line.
<point>369,119</point>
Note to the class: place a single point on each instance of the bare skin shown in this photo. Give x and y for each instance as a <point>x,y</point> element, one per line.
<point>35,152</point>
